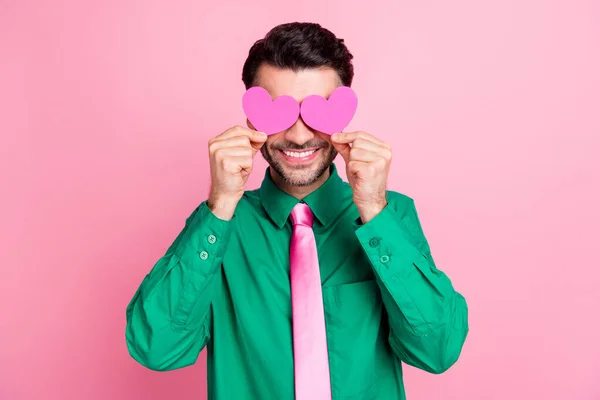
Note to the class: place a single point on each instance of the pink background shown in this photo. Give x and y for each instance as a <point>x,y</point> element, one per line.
<point>492,108</point>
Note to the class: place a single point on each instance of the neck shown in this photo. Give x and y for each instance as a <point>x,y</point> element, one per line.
<point>299,192</point>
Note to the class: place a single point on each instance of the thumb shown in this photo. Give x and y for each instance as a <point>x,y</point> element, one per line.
<point>257,140</point>
<point>343,149</point>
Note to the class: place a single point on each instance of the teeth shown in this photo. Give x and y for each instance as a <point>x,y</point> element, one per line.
<point>297,154</point>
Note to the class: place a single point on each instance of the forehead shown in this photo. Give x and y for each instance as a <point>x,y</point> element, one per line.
<point>279,82</point>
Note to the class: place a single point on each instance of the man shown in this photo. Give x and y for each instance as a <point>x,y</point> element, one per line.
<point>240,276</point>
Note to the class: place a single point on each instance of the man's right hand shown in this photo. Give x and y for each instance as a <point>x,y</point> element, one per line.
<point>231,156</point>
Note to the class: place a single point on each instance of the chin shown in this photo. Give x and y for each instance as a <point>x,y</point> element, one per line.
<point>301,175</point>
<point>304,177</point>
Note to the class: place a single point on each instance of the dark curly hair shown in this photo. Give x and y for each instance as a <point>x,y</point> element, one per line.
<point>297,46</point>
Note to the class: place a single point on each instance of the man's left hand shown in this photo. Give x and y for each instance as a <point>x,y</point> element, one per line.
<point>368,162</point>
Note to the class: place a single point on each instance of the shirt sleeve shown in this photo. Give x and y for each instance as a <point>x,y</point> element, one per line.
<point>168,318</point>
<point>428,319</point>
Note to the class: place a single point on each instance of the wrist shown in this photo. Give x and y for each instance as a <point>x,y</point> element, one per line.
<point>222,206</point>
<point>369,211</point>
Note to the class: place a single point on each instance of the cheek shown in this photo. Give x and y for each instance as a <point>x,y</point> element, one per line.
<point>270,150</point>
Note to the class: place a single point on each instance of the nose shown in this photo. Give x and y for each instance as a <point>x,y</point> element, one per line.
<point>299,133</point>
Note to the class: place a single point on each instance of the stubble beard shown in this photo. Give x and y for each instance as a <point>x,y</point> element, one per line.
<point>303,175</point>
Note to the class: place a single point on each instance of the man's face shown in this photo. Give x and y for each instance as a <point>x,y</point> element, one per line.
<point>299,154</point>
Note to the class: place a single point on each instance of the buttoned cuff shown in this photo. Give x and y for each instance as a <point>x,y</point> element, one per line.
<point>387,242</point>
<point>207,242</point>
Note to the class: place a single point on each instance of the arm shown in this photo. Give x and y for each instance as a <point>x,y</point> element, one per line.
<point>428,318</point>
<point>169,318</point>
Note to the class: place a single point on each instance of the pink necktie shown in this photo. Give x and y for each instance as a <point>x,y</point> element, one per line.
<point>311,363</point>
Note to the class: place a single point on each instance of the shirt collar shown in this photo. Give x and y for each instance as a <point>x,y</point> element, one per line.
<point>324,202</point>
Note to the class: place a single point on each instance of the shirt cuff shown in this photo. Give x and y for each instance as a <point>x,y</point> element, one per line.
<point>207,241</point>
<point>387,242</point>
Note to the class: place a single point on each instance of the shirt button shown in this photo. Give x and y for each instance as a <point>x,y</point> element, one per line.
<point>384,258</point>
<point>374,242</point>
<point>203,255</point>
<point>212,239</point>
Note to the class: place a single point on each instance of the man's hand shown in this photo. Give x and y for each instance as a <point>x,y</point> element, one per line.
<point>231,157</point>
<point>368,162</point>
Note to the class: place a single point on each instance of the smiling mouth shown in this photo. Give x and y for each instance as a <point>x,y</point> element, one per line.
<point>299,154</point>
<point>300,157</point>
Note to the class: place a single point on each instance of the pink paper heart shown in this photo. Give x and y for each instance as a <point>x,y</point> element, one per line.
<point>269,116</point>
<point>332,115</point>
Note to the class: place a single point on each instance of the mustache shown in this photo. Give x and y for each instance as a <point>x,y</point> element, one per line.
<point>311,144</point>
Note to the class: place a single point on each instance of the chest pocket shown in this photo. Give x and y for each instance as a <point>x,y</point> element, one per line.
<point>353,319</point>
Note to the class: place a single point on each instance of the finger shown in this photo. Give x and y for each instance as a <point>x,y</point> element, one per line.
<point>257,142</point>
<point>234,165</point>
<point>366,144</point>
<point>238,141</point>
<point>241,131</point>
<point>349,137</point>
<point>235,141</point>
<point>239,151</point>
<point>343,149</point>
<point>382,150</point>
<point>354,166</point>
<point>363,155</point>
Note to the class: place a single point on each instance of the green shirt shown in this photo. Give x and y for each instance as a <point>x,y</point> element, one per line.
<point>226,285</point>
